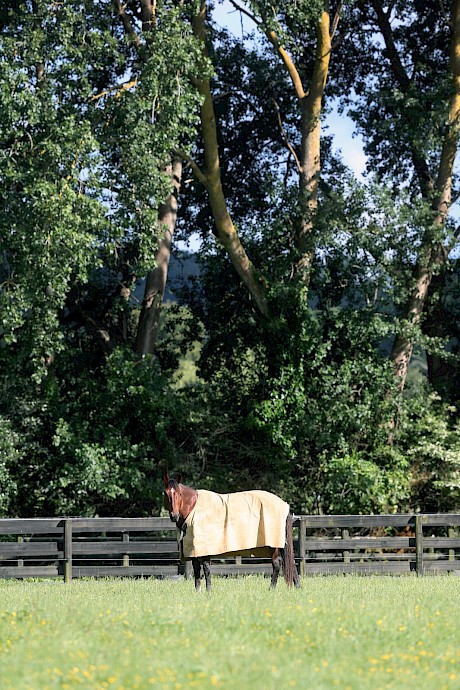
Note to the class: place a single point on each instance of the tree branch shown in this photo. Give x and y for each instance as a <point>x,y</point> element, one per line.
<point>273,38</point>
<point>199,174</point>
<point>127,22</point>
<point>226,231</point>
<point>420,164</point>
<point>118,88</point>
<point>284,135</point>
<point>336,19</point>
<point>243,10</point>
<point>288,63</point>
<point>148,10</point>
<point>387,32</point>
<point>453,241</point>
<point>451,138</point>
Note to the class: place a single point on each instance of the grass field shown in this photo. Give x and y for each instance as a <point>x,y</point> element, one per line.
<point>355,633</point>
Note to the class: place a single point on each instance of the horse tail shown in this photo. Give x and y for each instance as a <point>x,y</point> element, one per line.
<point>288,559</point>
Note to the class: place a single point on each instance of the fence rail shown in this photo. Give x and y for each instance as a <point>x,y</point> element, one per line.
<point>135,547</point>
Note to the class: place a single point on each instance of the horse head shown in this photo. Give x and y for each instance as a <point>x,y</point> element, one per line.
<point>173,497</point>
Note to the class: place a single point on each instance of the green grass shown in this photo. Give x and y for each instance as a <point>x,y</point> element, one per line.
<point>345,632</point>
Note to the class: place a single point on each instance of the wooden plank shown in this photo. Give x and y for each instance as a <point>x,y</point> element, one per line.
<point>123,571</point>
<point>376,556</point>
<point>31,526</point>
<point>28,571</point>
<point>120,548</point>
<point>333,557</point>
<point>442,566</point>
<point>441,542</point>
<point>82,525</point>
<point>369,521</point>
<point>302,547</point>
<point>11,550</point>
<point>20,561</point>
<point>125,540</point>
<point>452,536</point>
<point>312,544</point>
<point>244,569</point>
<point>391,520</point>
<point>368,567</point>
<point>345,538</point>
<point>152,524</point>
<point>441,519</point>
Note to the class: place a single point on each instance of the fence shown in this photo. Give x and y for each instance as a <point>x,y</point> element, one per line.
<point>134,547</point>
<point>394,544</point>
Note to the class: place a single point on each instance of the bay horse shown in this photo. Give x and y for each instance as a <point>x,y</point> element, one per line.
<point>180,500</point>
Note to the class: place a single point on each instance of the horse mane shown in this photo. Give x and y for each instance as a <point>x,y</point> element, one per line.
<point>173,483</point>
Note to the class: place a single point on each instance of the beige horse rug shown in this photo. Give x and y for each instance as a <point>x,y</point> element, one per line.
<point>228,523</point>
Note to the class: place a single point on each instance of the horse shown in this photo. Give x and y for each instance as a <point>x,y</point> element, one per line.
<point>180,501</point>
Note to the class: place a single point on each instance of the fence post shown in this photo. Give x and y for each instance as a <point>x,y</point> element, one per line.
<point>451,535</point>
<point>20,560</point>
<point>125,539</point>
<point>419,567</point>
<point>302,544</point>
<point>67,550</point>
<point>346,554</point>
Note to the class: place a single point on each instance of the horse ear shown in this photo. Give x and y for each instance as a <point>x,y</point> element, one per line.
<point>179,479</point>
<point>165,478</point>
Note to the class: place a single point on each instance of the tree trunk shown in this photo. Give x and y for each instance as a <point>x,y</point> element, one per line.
<point>149,319</point>
<point>311,102</point>
<point>226,231</point>
<point>310,157</point>
<point>155,284</point>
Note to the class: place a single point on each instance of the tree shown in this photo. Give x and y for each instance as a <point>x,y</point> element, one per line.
<point>277,30</point>
<point>407,81</point>
<point>91,117</point>
<point>106,104</point>
<point>87,150</point>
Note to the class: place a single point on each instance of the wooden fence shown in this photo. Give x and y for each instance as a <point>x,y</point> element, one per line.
<point>394,544</point>
<point>135,547</point>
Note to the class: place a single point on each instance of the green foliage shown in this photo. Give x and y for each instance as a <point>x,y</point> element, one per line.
<point>307,393</point>
<point>49,229</point>
<point>397,116</point>
<point>293,21</point>
<point>430,439</point>
<point>358,484</point>
<point>82,170</point>
<point>302,403</point>
<point>10,457</point>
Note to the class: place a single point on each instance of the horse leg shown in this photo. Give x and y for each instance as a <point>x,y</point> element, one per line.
<point>207,573</point>
<point>196,565</point>
<point>276,565</point>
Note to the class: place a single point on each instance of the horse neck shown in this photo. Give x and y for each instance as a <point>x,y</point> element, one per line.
<point>189,499</point>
